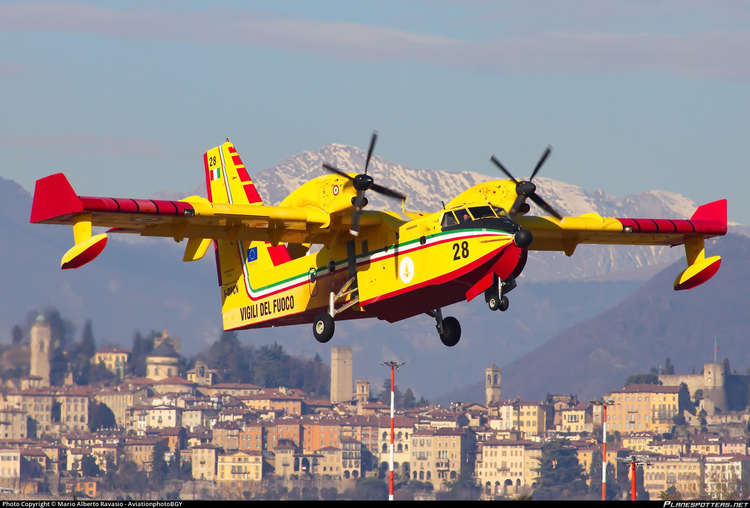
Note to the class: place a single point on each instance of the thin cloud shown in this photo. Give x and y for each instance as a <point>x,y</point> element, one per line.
<point>121,147</point>
<point>704,54</point>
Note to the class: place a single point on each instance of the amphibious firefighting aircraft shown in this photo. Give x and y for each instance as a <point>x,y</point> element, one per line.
<point>368,263</point>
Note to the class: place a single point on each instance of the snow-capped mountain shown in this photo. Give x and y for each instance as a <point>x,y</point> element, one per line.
<point>426,188</point>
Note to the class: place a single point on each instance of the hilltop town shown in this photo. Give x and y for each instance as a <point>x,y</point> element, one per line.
<point>169,431</point>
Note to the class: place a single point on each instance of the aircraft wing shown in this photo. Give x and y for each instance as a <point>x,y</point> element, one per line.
<point>565,235</point>
<point>55,202</point>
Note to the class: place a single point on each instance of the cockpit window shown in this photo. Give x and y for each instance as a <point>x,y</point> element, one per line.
<point>479,212</point>
<point>463,216</point>
<point>499,211</point>
<point>448,220</point>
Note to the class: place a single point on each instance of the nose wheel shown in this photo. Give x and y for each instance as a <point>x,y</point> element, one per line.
<point>495,302</point>
<point>449,329</point>
<point>495,295</point>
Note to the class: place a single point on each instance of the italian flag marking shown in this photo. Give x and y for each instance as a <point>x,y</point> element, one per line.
<point>215,173</point>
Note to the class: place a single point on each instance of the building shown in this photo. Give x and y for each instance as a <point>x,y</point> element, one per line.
<point>240,466</point>
<point>504,467</point>
<point>200,374</point>
<point>74,408</point>
<point>204,462</point>
<point>527,417</point>
<point>715,385</point>
<point>113,359</point>
<point>12,424</point>
<point>643,407</point>
<point>492,390</point>
<point>41,346</point>
<point>684,473</point>
<point>577,419</point>
<point>162,363</point>
<point>341,374</point>
<point>363,392</point>
<point>10,467</point>
<point>727,476</point>
<point>439,456</point>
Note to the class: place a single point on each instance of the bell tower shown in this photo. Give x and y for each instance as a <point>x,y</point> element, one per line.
<point>41,342</point>
<point>492,385</point>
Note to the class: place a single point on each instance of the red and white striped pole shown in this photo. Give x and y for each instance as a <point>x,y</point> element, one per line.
<point>604,451</point>
<point>393,366</point>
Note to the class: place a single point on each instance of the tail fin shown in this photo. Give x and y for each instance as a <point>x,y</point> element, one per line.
<point>227,181</point>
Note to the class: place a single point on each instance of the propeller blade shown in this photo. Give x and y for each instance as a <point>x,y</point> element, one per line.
<point>541,161</point>
<point>536,198</point>
<point>330,168</point>
<point>502,168</point>
<point>387,192</point>
<point>373,139</point>
<point>354,230</point>
<point>516,205</point>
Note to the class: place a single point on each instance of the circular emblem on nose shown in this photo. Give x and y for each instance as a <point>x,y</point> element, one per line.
<point>335,190</point>
<point>406,269</point>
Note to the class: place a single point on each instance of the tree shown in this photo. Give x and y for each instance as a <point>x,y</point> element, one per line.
<point>89,467</point>
<point>668,367</point>
<point>671,494</point>
<point>463,488</point>
<point>595,480</point>
<point>409,401</point>
<point>560,474</point>
<point>638,379</point>
<point>100,416</point>
<point>17,335</point>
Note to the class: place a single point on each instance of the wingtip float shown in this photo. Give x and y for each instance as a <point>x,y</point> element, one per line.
<point>370,263</point>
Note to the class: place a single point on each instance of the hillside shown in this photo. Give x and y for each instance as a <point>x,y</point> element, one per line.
<point>598,354</point>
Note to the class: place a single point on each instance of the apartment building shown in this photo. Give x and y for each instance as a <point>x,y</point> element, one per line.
<point>239,466</point>
<point>503,467</point>
<point>439,456</point>
<point>686,474</point>
<point>643,407</point>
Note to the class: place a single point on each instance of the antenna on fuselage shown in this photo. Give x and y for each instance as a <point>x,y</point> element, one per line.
<point>442,203</point>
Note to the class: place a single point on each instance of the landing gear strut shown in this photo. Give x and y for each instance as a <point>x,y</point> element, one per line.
<point>495,295</point>
<point>449,329</point>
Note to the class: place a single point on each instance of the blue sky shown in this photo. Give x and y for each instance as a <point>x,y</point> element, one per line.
<point>125,96</point>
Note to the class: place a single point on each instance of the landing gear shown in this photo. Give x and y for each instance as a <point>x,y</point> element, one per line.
<point>347,296</point>
<point>495,295</point>
<point>449,329</point>
<point>323,327</point>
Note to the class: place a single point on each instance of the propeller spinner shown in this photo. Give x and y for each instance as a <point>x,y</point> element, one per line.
<point>363,182</point>
<point>527,189</point>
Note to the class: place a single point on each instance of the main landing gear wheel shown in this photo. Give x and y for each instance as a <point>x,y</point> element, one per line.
<point>451,331</point>
<point>493,302</point>
<point>503,304</point>
<point>323,327</point>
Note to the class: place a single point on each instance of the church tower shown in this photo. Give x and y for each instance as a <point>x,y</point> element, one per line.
<point>41,342</point>
<point>492,385</point>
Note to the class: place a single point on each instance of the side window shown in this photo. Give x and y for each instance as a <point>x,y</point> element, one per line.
<point>463,216</point>
<point>448,220</point>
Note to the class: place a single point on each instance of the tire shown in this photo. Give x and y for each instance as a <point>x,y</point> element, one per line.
<point>323,327</point>
<point>493,303</point>
<point>504,303</point>
<point>451,331</point>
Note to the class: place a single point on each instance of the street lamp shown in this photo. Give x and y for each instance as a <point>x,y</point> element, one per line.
<point>394,366</point>
<point>604,403</point>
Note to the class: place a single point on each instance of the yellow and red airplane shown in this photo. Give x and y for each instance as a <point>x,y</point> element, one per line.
<point>367,263</point>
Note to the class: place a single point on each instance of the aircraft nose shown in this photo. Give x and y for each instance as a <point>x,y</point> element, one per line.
<point>522,238</point>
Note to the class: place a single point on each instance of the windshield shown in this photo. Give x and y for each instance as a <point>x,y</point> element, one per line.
<point>479,212</point>
<point>448,220</point>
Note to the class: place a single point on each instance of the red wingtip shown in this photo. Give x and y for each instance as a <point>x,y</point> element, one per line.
<point>712,216</point>
<point>54,197</point>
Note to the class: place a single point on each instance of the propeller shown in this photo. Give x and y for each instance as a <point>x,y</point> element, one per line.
<point>363,182</point>
<point>526,189</point>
